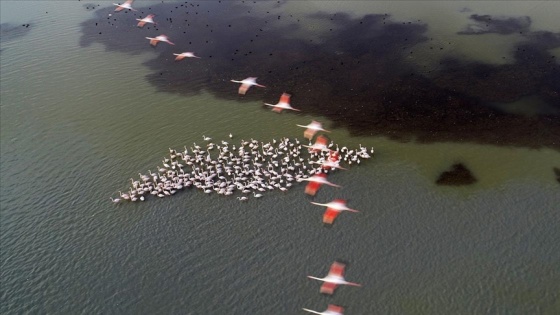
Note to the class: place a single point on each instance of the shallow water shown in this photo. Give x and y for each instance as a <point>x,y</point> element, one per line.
<point>78,122</point>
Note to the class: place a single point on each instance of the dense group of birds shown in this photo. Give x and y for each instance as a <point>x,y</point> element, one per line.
<point>252,167</point>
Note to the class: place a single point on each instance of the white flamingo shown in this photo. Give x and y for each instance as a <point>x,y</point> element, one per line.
<point>246,84</point>
<point>334,278</point>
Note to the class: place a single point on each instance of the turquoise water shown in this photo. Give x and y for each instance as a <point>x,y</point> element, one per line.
<point>78,122</point>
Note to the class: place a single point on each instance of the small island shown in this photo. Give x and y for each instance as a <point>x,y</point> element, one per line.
<point>459,175</point>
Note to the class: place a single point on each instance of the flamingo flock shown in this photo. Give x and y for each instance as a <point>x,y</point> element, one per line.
<point>252,167</point>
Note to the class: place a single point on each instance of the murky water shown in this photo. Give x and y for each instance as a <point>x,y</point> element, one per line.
<point>78,122</point>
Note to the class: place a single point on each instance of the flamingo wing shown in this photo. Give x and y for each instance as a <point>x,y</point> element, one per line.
<point>277,109</point>
<point>328,288</point>
<point>154,42</point>
<point>119,8</point>
<point>141,24</point>
<point>179,58</point>
<point>330,215</point>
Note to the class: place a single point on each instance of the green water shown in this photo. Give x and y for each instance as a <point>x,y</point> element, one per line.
<point>77,123</point>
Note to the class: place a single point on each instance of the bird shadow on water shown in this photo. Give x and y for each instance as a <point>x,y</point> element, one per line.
<point>356,73</point>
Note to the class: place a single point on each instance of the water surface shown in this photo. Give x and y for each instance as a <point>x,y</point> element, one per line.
<point>78,122</point>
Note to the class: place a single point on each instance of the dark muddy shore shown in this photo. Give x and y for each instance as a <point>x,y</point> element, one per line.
<point>357,76</point>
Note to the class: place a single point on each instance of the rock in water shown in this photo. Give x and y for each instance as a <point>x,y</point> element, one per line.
<point>557,172</point>
<point>459,175</point>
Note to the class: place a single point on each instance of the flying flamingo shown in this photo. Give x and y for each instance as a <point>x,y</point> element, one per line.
<point>284,103</point>
<point>334,208</point>
<point>181,56</point>
<point>328,164</point>
<point>147,19</point>
<point>126,5</point>
<point>332,162</point>
<point>334,279</point>
<point>315,183</point>
<point>319,145</point>
<point>312,129</point>
<point>157,39</point>
<point>246,84</point>
<point>331,310</point>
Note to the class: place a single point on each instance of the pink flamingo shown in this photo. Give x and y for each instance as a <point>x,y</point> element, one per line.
<point>334,279</point>
<point>246,84</point>
<point>184,55</point>
<point>284,103</point>
<point>315,182</point>
<point>161,38</point>
<point>312,129</point>
<point>331,310</point>
<point>334,208</point>
<point>126,5</point>
<point>148,19</point>
<point>319,145</point>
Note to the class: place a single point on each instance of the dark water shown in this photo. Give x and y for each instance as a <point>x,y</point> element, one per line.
<point>77,121</point>
<point>359,72</point>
